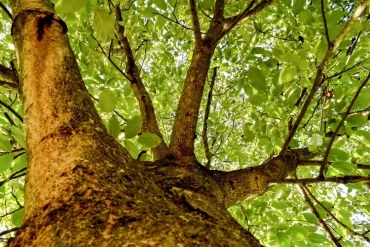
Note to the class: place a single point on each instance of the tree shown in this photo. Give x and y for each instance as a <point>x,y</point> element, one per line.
<point>279,89</point>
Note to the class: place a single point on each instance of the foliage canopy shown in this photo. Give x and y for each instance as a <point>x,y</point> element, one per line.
<point>262,73</point>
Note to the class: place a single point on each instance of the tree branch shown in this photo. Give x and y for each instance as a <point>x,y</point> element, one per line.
<point>248,12</point>
<point>248,183</point>
<point>320,71</point>
<point>9,74</point>
<point>206,115</point>
<point>303,191</point>
<point>342,180</point>
<point>195,21</point>
<point>9,231</point>
<point>8,84</point>
<point>361,235</point>
<point>325,24</point>
<point>11,110</point>
<point>331,142</point>
<point>13,176</point>
<point>319,162</point>
<point>7,12</point>
<point>147,111</point>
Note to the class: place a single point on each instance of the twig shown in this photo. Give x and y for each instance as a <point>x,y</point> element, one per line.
<point>174,21</point>
<point>320,72</point>
<point>9,231</point>
<point>319,162</point>
<point>13,176</point>
<point>2,6</point>
<point>344,71</point>
<point>11,110</point>
<point>303,191</point>
<point>343,180</point>
<point>325,24</point>
<point>206,115</point>
<point>331,142</point>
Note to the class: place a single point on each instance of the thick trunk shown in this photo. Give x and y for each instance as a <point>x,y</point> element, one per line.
<point>82,187</point>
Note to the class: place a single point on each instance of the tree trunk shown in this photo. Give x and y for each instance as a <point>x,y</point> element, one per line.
<point>82,187</point>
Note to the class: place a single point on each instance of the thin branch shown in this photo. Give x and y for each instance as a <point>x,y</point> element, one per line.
<point>361,235</point>
<point>147,111</point>
<point>11,110</point>
<point>9,231</point>
<point>344,117</point>
<point>174,21</point>
<point>13,176</point>
<point>320,72</point>
<point>8,84</point>
<point>248,12</point>
<point>206,115</point>
<point>343,71</point>
<point>7,12</point>
<point>342,180</point>
<point>325,24</point>
<point>9,74</point>
<point>195,21</point>
<point>303,191</point>
<point>319,162</point>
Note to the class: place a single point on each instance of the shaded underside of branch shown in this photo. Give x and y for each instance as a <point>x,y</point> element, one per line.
<point>248,183</point>
<point>207,152</point>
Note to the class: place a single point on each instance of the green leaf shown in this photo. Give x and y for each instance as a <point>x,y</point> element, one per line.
<point>344,167</point>
<point>257,78</point>
<point>149,140</point>
<point>104,24</point>
<point>288,74</point>
<point>17,218</point>
<point>310,218</point>
<point>278,53</point>
<point>316,238</point>
<point>304,65</point>
<point>364,133</point>
<point>5,162</point>
<point>206,4</point>
<point>321,50</point>
<point>316,140</point>
<point>107,100</point>
<point>20,162</point>
<point>257,99</point>
<point>133,127</point>
<point>148,12</point>
<point>161,4</point>
<point>294,96</point>
<point>361,102</point>
<point>248,135</point>
<point>131,148</point>
<point>357,120</point>
<point>299,232</point>
<point>70,6</point>
<point>337,154</point>
<point>18,135</point>
<point>5,144</point>
<point>114,127</point>
<point>298,6</point>
<point>279,204</point>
